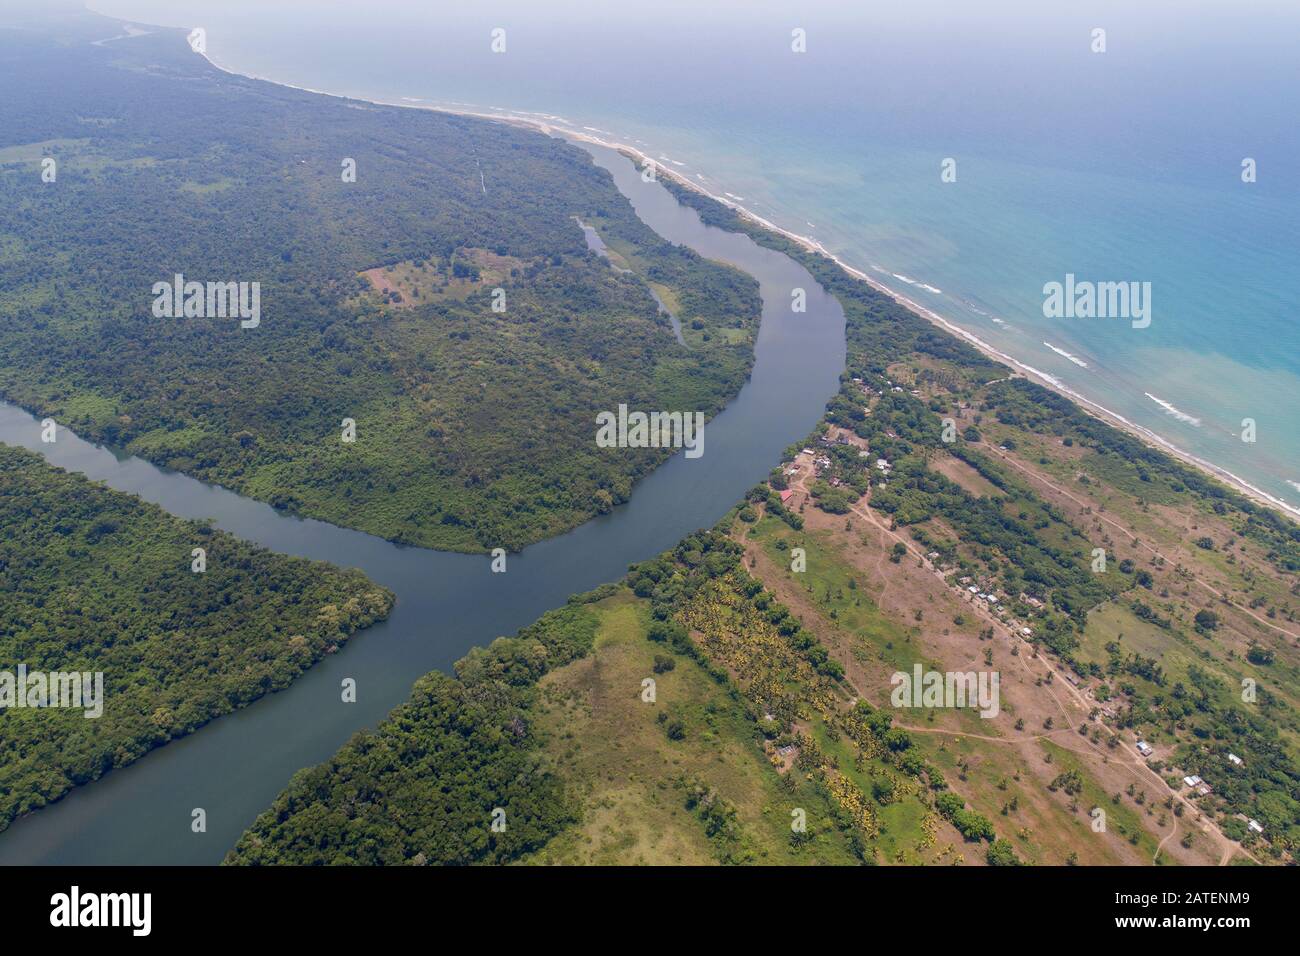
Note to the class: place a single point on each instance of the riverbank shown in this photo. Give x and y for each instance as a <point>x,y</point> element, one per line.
<point>550,126</point>
<point>1046,379</point>
<point>447,603</point>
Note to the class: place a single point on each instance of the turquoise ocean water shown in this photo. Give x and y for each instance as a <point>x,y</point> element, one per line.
<point>1123,165</point>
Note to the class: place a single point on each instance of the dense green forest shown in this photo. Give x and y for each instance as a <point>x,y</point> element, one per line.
<point>426,786</point>
<point>446,789</point>
<point>474,427</point>
<point>423,786</point>
<point>93,580</point>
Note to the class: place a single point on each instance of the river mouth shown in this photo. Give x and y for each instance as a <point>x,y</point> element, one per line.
<point>446,602</point>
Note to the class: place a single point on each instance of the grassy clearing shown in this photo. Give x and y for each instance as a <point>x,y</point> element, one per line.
<point>615,752</point>
<point>1124,816</point>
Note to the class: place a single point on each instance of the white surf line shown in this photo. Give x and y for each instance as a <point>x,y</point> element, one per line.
<point>1096,409</point>
<point>1062,352</point>
<point>1176,413</point>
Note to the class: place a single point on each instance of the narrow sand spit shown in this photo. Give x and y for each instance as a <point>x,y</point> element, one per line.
<point>550,126</point>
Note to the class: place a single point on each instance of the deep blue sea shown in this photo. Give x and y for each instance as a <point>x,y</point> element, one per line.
<point>1123,165</point>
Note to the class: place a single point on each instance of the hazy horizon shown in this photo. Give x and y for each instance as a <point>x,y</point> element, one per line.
<point>1115,167</point>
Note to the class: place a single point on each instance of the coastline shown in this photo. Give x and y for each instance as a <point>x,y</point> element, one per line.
<point>548,127</point>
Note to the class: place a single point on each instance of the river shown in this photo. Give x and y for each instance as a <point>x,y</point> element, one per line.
<point>446,603</point>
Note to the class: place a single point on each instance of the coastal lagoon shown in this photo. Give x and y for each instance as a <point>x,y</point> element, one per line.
<point>1115,166</point>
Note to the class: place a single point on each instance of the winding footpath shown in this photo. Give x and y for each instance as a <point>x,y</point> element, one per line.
<point>1135,765</point>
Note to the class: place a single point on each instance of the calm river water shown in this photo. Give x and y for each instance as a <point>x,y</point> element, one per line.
<point>446,603</point>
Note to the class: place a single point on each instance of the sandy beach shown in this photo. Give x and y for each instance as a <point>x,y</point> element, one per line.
<point>550,125</point>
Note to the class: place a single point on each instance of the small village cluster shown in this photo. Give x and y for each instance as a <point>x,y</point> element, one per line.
<point>824,461</point>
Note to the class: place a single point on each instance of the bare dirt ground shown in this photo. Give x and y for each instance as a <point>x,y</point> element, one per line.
<point>956,470</point>
<point>1033,689</point>
<point>1074,503</point>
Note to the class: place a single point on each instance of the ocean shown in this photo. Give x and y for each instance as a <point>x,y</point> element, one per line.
<point>964,155</point>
